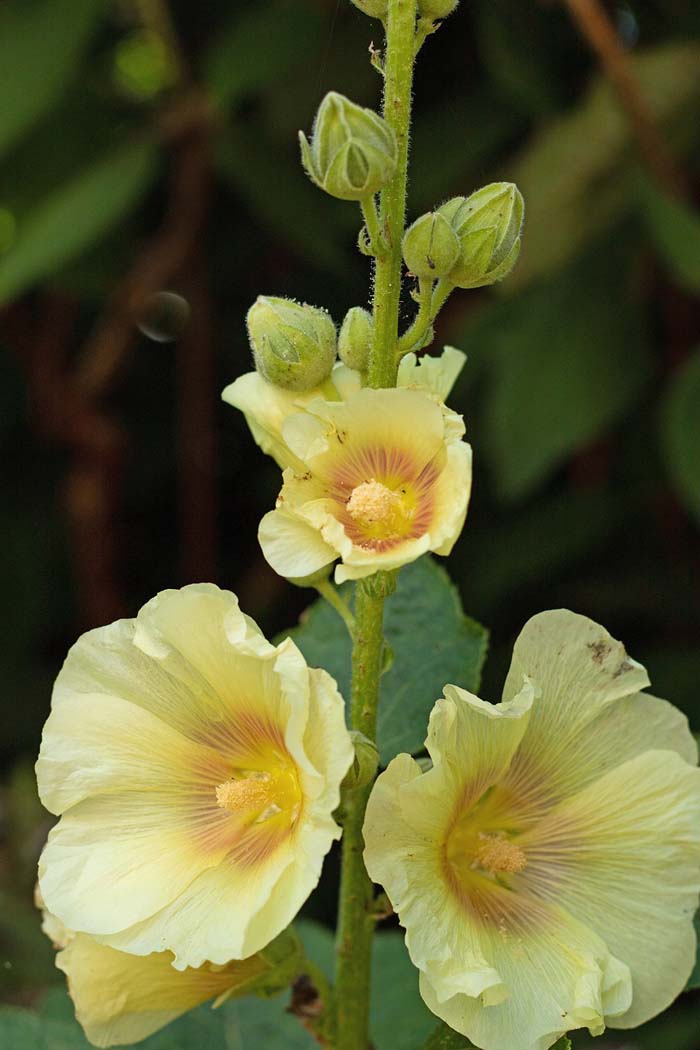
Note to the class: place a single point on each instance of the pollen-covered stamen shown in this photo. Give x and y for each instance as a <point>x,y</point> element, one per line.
<point>373,503</point>
<point>258,795</point>
<point>496,854</point>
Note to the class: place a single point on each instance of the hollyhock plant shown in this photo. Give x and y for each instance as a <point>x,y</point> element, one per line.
<point>547,867</point>
<point>195,768</point>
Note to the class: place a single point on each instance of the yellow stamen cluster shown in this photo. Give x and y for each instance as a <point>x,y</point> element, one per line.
<point>497,854</point>
<point>372,502</point>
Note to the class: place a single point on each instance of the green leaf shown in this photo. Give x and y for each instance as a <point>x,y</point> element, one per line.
<point>432,641</point>
<point>568,359</point>
<point>40,49</point>
<point>576,174</point>
<point>680,433</point>
<point>260,47</point>
<point>399,1019</point>
<point>675,229</point>
<point>75,215</point>
<point>445,1038</point>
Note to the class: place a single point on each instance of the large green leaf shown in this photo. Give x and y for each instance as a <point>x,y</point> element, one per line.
<point>399,1019</point>
<point>680,433</point>
<point>675,230</point>
<point>576,174</point>
<point>259,47</point>
<point>432,641</point>
<point>40,45</point>
<point>568,358</point>
<point>75,215</point>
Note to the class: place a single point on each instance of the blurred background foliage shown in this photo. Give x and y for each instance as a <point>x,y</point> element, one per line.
<point>146,148</point>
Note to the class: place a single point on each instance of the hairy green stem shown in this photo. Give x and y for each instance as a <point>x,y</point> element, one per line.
<point>355,918</point>
<point>355,912</point>
<point>398,80</point>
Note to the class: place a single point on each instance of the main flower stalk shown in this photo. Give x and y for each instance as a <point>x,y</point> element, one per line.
<point>355,920</point>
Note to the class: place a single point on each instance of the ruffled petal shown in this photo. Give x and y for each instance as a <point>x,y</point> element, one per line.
<point>581,671</point>
<point>291,546</point>
<point>623,856</point>
<point>435,375</point>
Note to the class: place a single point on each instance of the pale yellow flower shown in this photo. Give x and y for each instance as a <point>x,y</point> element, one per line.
<point>266,407</point>
<point>196,768</point>
<point>385,478</point>
<point>547,867</point>
<point>121,998</point>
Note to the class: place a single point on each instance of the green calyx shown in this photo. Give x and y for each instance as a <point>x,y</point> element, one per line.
<point>352,152</point>
<point>435,9</point>
<point>373,8</point>
<point>294,345</point>
<point>488,225</point>
<point>364,767</point>
<point>431,248</point>
<point>355,339</point>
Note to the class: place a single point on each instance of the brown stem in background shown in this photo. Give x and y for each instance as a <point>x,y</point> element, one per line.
<point>595,25</point>
<point>197,447</point>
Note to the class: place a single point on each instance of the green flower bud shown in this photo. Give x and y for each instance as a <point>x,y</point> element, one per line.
<point>293,344</point>
<point>352,152</point>
<point>430,246</point>
<point>365,763</point>
<point>355,339</point>
<point>488,225</point>
<point>373,8</point>
<point>435,9</point>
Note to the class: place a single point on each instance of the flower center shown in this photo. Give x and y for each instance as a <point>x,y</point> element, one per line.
<point>495,853</point>
<point>259,795</point>
<point>373,503</point>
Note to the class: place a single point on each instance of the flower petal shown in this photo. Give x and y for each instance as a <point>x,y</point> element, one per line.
<point>580,671</point>
<point>623,855</point>
<point>292,547</point>
<point>121,999</point>
<point>436,375</point>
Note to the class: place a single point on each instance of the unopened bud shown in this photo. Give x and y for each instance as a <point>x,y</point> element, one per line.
<point>364,764</point>
<point>355,339</point>
<point>293,344</point>
<point>352,152</point>
<point>373,8</point>
<point>435,9</point>
<point>430,246</point>
<point>488,225</point>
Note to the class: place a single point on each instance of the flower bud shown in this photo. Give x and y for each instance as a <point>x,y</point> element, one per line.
<point>435,9</point>
<point>293,344</point>
<point>364,766</point>
<point>352,152</point>
<point>488,225</point>
<point>373,8</point>
<point>355,339</point>
<point>430,246</point>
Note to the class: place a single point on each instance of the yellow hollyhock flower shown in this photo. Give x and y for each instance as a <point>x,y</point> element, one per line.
<point>121,998</point>
<point>266,407</point>
<point>196,768</point>
<point>547,867</point>
<point>385,478</point>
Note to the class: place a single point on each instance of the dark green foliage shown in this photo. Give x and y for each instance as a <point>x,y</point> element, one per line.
<point>432,643</point>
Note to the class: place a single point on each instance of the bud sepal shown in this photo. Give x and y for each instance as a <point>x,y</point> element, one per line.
<point>293,344</point>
